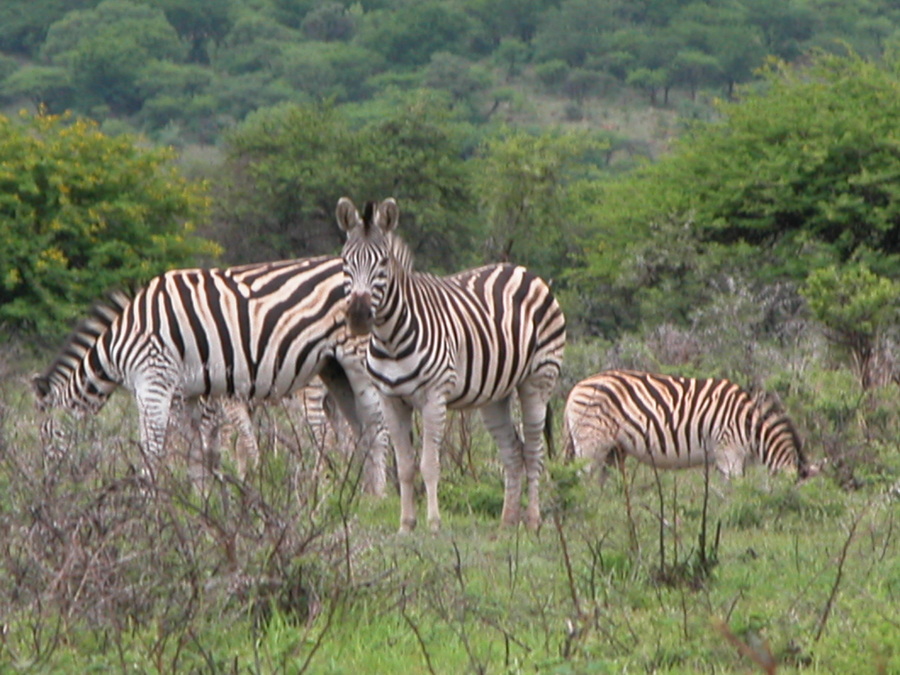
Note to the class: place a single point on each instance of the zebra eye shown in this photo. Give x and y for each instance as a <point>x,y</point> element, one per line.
<point>383,261</point>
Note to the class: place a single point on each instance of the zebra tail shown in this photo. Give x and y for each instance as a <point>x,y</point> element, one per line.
<point>548,430</point>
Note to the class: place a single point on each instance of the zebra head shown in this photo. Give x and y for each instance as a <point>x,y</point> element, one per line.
<point>59,389</point>
<point>367,257</point>
<point>780,445</point>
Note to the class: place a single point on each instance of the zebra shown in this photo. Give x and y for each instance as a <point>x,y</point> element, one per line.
<point>469,340</point>
<point>320,416</point>
<point>674,422</point>
<point>313,415</point>
<point>251,333</point>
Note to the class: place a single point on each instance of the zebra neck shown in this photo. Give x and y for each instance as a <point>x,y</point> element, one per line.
<point>82,382</point>
<point>395,321</point>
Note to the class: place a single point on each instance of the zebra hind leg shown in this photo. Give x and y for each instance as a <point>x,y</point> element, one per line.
<point>534,417</point>
<point>398,416</point>
<point>434,423</point>
<point>498,420</point>
<point>246,449</point>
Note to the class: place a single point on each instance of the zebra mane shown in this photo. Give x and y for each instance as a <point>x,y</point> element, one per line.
<point>400,253</point>
<point>86,333</point>
<point>368,219</point>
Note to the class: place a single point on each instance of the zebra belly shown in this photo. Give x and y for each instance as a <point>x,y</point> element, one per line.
<point>401,379</point>
<point>667,460</point>
<point>270,378</point>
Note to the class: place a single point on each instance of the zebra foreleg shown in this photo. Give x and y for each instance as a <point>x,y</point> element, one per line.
<point>398,417</point>
<point>434,421</point>
<point>154,402</point>
<point>498,420</point>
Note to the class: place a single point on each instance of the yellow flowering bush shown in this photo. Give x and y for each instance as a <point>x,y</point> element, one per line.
<point>82,213</point>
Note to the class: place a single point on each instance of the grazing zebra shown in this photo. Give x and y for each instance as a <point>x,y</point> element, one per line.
<point>678,422</point>
<point>466,341</point>
<point>250,333</point>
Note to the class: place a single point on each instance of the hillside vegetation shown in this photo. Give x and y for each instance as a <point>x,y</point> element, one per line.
<point>711,188</point>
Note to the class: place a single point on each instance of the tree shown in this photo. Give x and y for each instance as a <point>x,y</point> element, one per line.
<point>287,166</point>
<point>651,81</point>
<point>693,67</point>
<point>462,79</point>
<point>106,48</point>
<point>328,21</point>
<point>857,308</point>
<point>523,183</point>
<point>417,153</point>
<point>49,87</point>
<point>328,70</point>
<point>516,19</point>
<point>24,23</point>
<point>254,43</point>
<point>178,94</point>
<point>199,22</point>
<point>793,176</point>
<point>577,29</point>
<point>784,26</point>
<point>510,55</point>
<point>112,20</point>
<point>82,213</point>
<point>410,34</point>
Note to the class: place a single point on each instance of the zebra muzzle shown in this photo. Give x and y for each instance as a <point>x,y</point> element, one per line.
<point>359,314</point>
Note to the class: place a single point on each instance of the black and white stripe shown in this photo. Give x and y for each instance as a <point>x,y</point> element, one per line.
<point>470,340</point>
<point>251,333</point>
<point>678,422</point>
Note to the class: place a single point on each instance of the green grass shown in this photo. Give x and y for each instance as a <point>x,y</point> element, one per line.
<point>288,572</point>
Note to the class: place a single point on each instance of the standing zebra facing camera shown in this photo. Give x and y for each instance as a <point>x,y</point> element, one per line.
<point>678,422</point>
<point>228,337</point>
<point>470,340</point>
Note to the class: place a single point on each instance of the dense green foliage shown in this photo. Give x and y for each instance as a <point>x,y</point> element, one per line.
<point>310,101</point>
<point>800,173</point>
<point>287,167</point>
<point>507,197</point>
<point>859,309</point>
<point>82,213</point>
<point>128,58</point>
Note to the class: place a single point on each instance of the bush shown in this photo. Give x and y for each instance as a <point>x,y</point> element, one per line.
<point>81,213</point>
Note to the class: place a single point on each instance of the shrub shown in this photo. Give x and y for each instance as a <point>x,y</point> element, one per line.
<point>81,213</point>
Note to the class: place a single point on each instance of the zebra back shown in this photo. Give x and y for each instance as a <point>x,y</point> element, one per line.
<point>253,331</point>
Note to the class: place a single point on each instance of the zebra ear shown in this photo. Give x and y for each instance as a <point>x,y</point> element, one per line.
<point>347,215</point>
<point>390,214</point>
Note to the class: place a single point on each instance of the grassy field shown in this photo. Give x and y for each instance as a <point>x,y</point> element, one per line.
<point>293,571</point>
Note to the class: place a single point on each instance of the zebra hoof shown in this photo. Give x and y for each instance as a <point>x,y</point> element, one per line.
<point>434,525</point>
<point>407,526</point>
